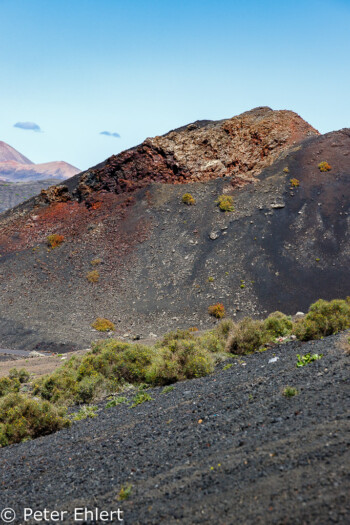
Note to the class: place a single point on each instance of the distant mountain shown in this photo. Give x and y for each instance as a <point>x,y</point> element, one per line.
<point>7,153</point>
<point>15,167</point>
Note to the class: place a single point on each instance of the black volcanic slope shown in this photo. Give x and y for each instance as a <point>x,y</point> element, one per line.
<point>282,247</point>
<point>224,449</point>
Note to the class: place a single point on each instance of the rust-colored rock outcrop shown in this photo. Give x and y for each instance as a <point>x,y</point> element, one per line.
<point>241,147</point>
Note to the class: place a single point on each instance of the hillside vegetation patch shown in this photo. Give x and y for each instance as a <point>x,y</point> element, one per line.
<point>23,418</point>
<point>113,366</point>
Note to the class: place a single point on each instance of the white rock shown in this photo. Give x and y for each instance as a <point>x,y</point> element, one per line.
<point>213,235</point>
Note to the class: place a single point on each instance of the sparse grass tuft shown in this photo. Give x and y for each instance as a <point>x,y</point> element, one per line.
<point>290,391</point>
<point>140,398</point>
<point>294,183</point>
<point>167,389</point>
<point>115,402</point>
<point>225,203</point>
<point>125,492</point>
<point>103,325</point>
<point>88,411</point>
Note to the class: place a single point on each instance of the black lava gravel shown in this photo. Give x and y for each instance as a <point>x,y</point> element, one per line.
<point>225,449</point>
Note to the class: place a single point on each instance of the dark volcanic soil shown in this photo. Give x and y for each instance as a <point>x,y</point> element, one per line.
<point>225,449</point>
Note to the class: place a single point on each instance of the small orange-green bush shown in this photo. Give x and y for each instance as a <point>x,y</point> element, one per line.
<point>286,170</point>
<point>93,276</point>
<point>225,203</point>
<point>55,240</point>
<point>103,325</point>
<point>96,262</point>
<point>294,183</point>
<point>188,199</point>
<point>324,166</point>
<point>217,310</point>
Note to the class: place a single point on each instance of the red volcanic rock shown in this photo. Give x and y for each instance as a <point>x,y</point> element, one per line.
<point>239,147</point>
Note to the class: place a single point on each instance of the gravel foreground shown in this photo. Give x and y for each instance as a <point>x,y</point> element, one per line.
<point>225,449</point>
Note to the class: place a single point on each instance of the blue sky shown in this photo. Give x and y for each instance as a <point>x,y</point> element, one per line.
<point>140,68</point>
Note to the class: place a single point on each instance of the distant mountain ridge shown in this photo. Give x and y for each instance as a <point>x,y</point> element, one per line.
<point>15,167</point>
<point>9,154</point>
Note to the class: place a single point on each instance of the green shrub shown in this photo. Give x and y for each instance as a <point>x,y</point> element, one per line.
<point>247,336</point>
<point>23,418</point>
<point>90,387</point>
<point>212,342</point>
<point>224,328</point>
<point>118,361</point>
<point>278,325</point>
<point>323,318</point>
<point>181,359</point>
<point>22,375</point>
<point>175,336</point>
<point>225,203</point>
<point>8,385</point>
<point>59,387</point>
<point>110,364</point>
